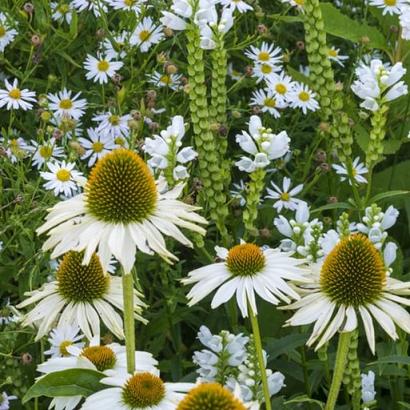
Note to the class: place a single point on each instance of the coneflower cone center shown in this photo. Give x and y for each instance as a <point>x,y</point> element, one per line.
<point>246,259</point>
<point>353,274</point>
<point>102,357</point>
<point>210,396</point>
<point>121,189</point>
<point>81,283</point>
<point>143,390</point>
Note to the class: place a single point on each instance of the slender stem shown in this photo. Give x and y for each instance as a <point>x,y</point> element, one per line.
<point>258,346</point>
<point>340,363</point>
<point>129,323</point>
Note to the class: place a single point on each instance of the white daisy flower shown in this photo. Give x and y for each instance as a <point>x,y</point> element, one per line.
<point>351,282</point>
<point>285,197</point>
<point>264,72</point>
<point>234,74</point>
<point>281,85</point>
<point>113,124</point>
<point>172,81</point>
<point>69,127</point>
<point>246,269</point>
<point>142,391</point>
<point>16,148</point>
<point>146,34</point>
<point>61,12</point>
<point>358,169</point>
<point>64,105</point>
<point>14,98</point>
<point>96,146</point>
<point>95,6</point>
<point>405,22</point>
<point>127,5</point>
<point>239,192</point>
<point>63,337</point>
<point>333,54</point>
<point>239,5</point>
<point>120,141</point>
<point>101,69</point>
<point>81,295</point>
<point>120,218</point>
<point>62,178</point>
<point>7,34</point>
<point>267,102</point>
<point>304,98</point>
<point>266,54</point>
<point>47,151</point>
<point>118,51</point>
<point>389,6</point>
<point>295,3</point>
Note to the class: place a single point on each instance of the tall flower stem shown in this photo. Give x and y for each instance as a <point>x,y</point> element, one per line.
<point>259,352</point>
<point>340,363</point>
<point>129,322</point>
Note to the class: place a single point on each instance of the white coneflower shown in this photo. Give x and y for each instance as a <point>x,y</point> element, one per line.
<point>265,54</point>
<point>142,391</point>
<point>304,98</point>
<point>358,170</point>
<point>81,295</point>
<point>14,98</point>
<point>62,178</point>
<point>352,282</point>
<point>61,12</point>
<point>64,105</point>
<point>247,269</point>
<point>113,124</point>
<point>267,102</point>
<point>285,197</point>
<point>118,218</point>
<point>172,81</point>
<point>62,337</point>
<point>47,151</point>
<point>146,34</point>
<point>7,34</point>
<point>96,146</point>
<point>101,69</point>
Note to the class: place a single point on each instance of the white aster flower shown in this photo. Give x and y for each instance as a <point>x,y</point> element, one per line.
<point>264,72</point>
<point>285,197</point>
<point>63,337</point>
<point>117,51</point>
<point>81,295</point>
<point>7,34</point>
<point>16,148</point>
<point>113,125</point>
<point>172,81</point>
<point>333,54</point>
<point>62,178</point>
<point>64,105</point>
<point>404,19</point>
<point>61,12</point>
<point>47,151</point>
<point>352,282</point>
<point>389,6</point>
<point>239,5</point>
<point>14,98</point>
<point>97,7</point>
<point>266,54</point>
<point>239,192</point>
<point>281,85</point>
<point>358,169</point>
<point>96,146</point>
<point>101,69</point>
<point>142,391</point>
<point>295,3</point>
<point>267,101</point>
<point>146,34</point>
<point>304,98</point>
<point>127,5</point>
<point>247,269</point>
<point>120,218</point>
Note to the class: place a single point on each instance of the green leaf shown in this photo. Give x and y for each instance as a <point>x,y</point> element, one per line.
<point>388,194</point>
<point>338,205</point>
<point>276,347</point>
<point>404,405</point>
<point>396,359</point>
<point>306,399</point>
<point>340,25</point>
<point>71,382</point>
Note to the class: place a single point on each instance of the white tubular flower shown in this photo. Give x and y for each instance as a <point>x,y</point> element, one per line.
<point>350,283</point>
<point>65,106</point>
<point>118,218</point>
<point>212,31</point>
<point>261,144</point>
<point>7,34</point>
<point>81,295</point>
<point>405,22</point>
<point>247,269</point>
<point>368,391</point>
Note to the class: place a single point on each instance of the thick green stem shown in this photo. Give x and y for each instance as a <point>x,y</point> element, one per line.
<point>259,352</point>
<point>129,322</point>
<point>340,362</point>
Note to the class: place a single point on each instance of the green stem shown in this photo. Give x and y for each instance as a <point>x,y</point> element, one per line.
<point>340,362</point>
<point>129,323</point>
<point>258,346</point>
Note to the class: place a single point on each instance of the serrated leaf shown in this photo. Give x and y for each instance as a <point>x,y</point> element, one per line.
<point>71,382</point>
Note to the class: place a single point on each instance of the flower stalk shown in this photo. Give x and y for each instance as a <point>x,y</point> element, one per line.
<point>375,148</point>
<point>129,322</point>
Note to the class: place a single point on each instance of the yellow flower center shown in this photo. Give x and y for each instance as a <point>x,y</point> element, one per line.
<point>143,390</point>
<point>390,2</point>
<point>284,196</point>
<point>81,283</point>
<point>114,119</point>
<point>270,102</point>
<point>304,96</point>
<point>129,3</point>
<point>121,188</point>
<point>332,52</point>
<point>63,347</point>
<point>46,152</point>
<point>353,274</point>
<point>281,88</point>
<point>66,104</point>
<point>144,35</point>
<point>119,141</point>
<point>165,79</point>
<point>63,175</point>
<point>263,56</point>
<point>2,31</point>
<point>103,65</point>
<point>245,259</point>
<point>300,2</point>
<point>266,69</point>
<point>210,396</point>
<point>15,93</point>
<point>102,357</point>
<point>63,8</point>
<point>97,146</point>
